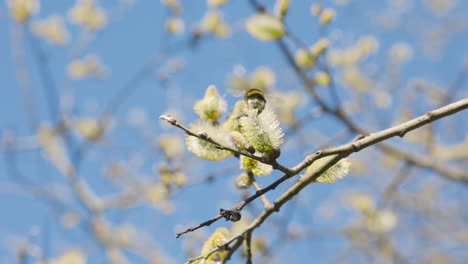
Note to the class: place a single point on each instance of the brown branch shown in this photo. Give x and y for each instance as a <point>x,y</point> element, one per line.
<point>288,195</point>
<point>257,187</point>
<point>232,249</point>
<point>356,145</point>
<point>207,138</point>
<point>248,247</point>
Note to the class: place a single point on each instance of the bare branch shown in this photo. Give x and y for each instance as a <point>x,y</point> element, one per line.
<point>257,187</point>
<point>248,242</point>
<point>356,145</point>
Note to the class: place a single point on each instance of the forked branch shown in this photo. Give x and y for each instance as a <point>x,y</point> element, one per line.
<point>361,142</point>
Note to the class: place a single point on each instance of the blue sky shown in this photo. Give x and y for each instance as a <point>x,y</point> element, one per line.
<point>134,35</point>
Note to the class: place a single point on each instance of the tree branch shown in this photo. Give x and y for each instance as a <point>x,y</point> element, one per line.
<point>207,138</point>
<point>361,142</point>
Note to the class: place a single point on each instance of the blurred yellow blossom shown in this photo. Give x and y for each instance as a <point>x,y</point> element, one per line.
<point>21,10</point>
<point>170,176</point>
<point>326,16</point>
<point>265,27</point>
<point>101,228</point>
<point>367,45</point>
<point>175,6</point>
<point>281,8</point>
<point>259,245</point>
<point>211,20</point>
<point>170,2</point>
<point>213,23</point>
<point>361,201</point>
<point>70,220</point>
<point>73,256</point>
<point>453,151</point>
<point>322,78</point>
<point>218,238</point>
<point>222,31</point>
<point>90,129</point>
<point>238,82</point>
<point>319,47</point>
<point>364,47</point>
<point>172,146</point>
<point>381,221</point>
<point>175,25</point>
<point>216,3</point>
<point>52,29</point>
<point>88,15</point>
<point>243,181</point>
<point>400,52</point>
<point>304,59</point>
<point>124,235</point>
<point>285,104</point>
<point>88,66</point>
<point>382,98</point>
<point>356,80</point>
<point>156,195</point>
<point>262,78</point>
<point>315,9</point>
<point>307,58</point>
<point>440,6</point>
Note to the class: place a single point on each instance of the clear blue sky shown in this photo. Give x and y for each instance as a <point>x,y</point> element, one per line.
<point>134,35</point>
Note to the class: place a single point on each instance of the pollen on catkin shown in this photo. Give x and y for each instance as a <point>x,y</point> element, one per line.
<point>232,122</point>
<point>212,106</point>
<point>333,174</point>
<point>262,130</point>
<point>236,140</point>
<point>204,149</point>
<point>218,238</point>
<point>254,166</point>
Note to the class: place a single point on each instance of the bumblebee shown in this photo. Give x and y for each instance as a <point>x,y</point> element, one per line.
<point>255,99</point>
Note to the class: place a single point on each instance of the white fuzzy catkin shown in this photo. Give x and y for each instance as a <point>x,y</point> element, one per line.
<point>204,149</point>
<point>262,130</point>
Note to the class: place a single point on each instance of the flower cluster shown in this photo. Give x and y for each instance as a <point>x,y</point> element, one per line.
<point>243,130</point>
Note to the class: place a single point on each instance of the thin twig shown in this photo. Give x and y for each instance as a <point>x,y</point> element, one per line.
<point>257,187</point>
<point>233,249</point>
<point>207,138</point>
<point>392,188</point>
<point>248,248</point>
